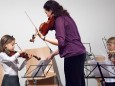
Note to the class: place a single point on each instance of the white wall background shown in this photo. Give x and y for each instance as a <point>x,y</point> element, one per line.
<point>95,19</point>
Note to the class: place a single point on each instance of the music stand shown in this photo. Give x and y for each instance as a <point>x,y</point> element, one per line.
<point>99,70</point>
<point>38,71</point>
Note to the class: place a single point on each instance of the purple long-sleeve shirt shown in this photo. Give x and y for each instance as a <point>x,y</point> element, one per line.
<point>68,37</point>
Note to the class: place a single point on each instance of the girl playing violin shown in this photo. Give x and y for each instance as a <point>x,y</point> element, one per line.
<point>69,43</point>
<point>111,61</point>
<point>9,62</point>
<point>111,49</point>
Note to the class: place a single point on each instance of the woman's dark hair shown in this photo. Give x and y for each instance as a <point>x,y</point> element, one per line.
<point>56,8</point>
<point>4,41</point>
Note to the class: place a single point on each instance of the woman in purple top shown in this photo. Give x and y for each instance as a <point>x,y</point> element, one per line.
<point>69,43</point>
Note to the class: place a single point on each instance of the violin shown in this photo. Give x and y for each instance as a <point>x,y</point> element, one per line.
<point>23,55</point>
<point>111,54</point>
<point>44,28</point>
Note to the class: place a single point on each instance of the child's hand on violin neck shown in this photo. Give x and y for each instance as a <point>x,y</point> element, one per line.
<point>29,56</point>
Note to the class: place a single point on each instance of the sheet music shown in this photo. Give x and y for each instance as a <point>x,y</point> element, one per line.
<point>96,71</point>
<point>40,68</point>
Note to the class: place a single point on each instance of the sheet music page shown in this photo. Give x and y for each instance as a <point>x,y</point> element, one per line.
<point>40,68</point>
<point>103,67</point>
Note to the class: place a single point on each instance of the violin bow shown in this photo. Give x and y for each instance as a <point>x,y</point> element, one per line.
<point>44,41</point>
<point>104,40</point>
<point>31,22</point>
<point>18,46</point>
<point>36,29</point>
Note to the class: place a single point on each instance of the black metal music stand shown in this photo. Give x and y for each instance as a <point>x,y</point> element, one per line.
<point>38,72</point>
<point>100,67</point>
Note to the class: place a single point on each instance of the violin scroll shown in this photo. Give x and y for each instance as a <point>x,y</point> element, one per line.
<point>33,37</point>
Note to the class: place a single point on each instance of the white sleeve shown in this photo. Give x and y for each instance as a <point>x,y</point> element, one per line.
<point>12,58</point>
<point>22,65</point>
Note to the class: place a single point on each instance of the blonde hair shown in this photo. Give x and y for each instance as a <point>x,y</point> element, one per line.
<point>111,40</point>
<point>4,41</point>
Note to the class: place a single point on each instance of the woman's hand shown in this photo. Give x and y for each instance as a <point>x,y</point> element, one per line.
<point>40,35</point>
<point>53,54</point>
<point>50,56</point>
